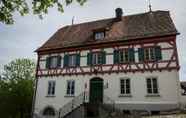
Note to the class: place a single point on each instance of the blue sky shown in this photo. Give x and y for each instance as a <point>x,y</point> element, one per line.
<point>29,32</point>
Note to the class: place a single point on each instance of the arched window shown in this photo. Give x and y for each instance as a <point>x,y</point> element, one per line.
<point>49,111</point>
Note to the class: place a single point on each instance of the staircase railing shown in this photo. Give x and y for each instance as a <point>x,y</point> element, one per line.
<point>73,104</point>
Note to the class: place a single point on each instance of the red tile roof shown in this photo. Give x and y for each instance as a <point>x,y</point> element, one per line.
<point>150,24</point>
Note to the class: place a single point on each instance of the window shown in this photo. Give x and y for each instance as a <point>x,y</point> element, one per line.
<point>71,60</point>
<point>125,86</point>
<point>49,111</point>
<point>150,54</point>
<point>70,87</point>
<point>124,56</point>
<point>99,35</point>
<point>96,58</point>
<point>53,62</point>
<point>51,88</point>
<point>152,85</point>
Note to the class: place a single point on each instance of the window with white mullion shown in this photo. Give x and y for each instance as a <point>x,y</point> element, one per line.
<point>97,58</point>
<point>124,86</point>
<point>54,61</point>
<point>51,88</point>
<point>152,86</point>
<point>70,87</point>
<point>123,56</point>
<point>72,60</point>
<point>149,54</point>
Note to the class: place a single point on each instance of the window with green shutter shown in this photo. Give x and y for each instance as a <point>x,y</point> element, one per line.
<point>158,53</point>
<point>89,58</point>
<point>65,63</point>
<point>116,56</point>
<point>47,62</point>
<point>150,53</point>
<point>53,62</point>
<point>124,56</point>
<point>96,58</point>
<point>131,55</point>
<point>141,54</point>
<point>78,59</point>
<point>103,57</point>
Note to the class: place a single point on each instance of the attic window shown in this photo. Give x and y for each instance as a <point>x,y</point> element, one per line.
<point>99,35</point>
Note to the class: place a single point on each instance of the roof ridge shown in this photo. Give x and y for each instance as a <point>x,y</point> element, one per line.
<point>111,18</point>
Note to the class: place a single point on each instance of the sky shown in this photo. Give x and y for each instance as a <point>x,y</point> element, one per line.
<point>21,39</point>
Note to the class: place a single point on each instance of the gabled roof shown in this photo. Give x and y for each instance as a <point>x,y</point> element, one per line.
<point>150,24</point>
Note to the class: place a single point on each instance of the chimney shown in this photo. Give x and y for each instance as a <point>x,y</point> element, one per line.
<point>119,14</point>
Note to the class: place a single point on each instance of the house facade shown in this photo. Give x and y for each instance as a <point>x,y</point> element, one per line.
<point>127,62</point>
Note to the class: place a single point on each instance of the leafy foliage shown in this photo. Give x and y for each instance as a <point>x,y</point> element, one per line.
<point>39,7</point>
<point>16,89</point>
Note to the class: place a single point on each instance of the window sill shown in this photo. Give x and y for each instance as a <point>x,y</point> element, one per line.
<point>125,95</point>
<point>152,95</point>
<point>50,96</point>
<point>69,96</point>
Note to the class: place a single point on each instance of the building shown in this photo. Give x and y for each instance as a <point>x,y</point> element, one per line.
<point>124,63</point>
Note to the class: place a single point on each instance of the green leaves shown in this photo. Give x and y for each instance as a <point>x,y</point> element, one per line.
<point>16,88</point>
<point>39,7</point>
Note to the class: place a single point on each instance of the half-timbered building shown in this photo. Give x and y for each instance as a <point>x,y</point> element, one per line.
<point>125,63</point>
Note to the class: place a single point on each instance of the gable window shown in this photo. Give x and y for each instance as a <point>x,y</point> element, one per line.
<point>99,35</point>
<point>150,54</point>
<point>96,58</point>
<point>71,60</point>
<point>124,56</point>
<point>70,88</point>
<point>51,88</point>
<point>152,85</point>
<point>53,62</point>
<point>125,86</point>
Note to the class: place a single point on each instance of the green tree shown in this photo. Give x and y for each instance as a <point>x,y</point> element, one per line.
<point>39,7</point>
<point>16,89</point>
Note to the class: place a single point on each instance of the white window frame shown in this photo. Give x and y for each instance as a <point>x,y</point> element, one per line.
<point>124,56</point>
<point>152,86</point>
<point>72,60</point>
<point>125,86</point>
<point>99,35</point>
<point>148,52</point>
<point>54,62</point>
<point>70,88</point>
<point>51,88</point>
<point>96,58</point>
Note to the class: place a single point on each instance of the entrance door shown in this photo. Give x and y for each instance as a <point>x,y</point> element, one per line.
<point>96,90</point>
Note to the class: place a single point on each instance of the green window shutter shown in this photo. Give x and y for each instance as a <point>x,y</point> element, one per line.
<point>103,57</point>
<point>116,56</point>
<point>48,62</point>
<point>78,60</point>
<point>59,61</point>
<point>131,55</point>
<point>158,53</point>
<point>65,64</point>
<point>89,59</point>
<point>141,54</point>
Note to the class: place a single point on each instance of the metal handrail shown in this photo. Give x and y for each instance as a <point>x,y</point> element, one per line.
<point>73,104</point>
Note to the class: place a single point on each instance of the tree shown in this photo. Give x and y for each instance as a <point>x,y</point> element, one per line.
<point>16,89</point>
<point>39,7</point>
